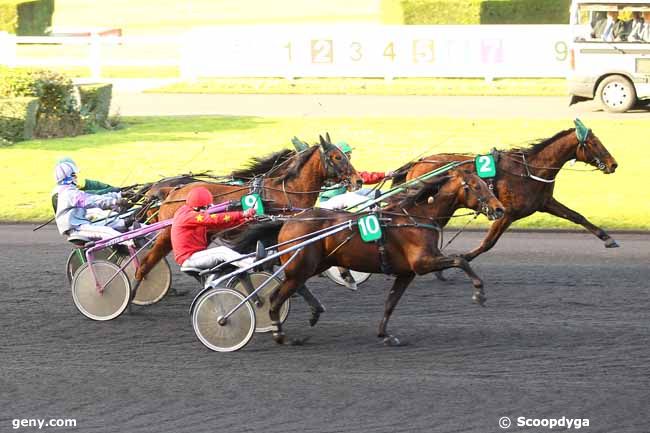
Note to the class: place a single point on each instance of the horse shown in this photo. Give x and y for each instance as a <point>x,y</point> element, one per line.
<point>409,245</point>
<point>525,179</point>
<point>293,184</point>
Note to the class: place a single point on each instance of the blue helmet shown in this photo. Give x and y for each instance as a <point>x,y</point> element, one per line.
<point>69,161</point>
<point>64,173</point>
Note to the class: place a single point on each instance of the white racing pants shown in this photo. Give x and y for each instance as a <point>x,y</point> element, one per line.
<point>213,256</point>
<point>99,231</point>
<point>349,199</point>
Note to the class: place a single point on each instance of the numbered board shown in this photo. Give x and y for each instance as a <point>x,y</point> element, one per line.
<point>370,50</point>
<point>369,228</point>
<point>486,167</point>
<point>253,201</point>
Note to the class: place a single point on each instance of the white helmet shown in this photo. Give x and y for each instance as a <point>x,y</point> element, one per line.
<point>63,173</point>
<point>69,161</point>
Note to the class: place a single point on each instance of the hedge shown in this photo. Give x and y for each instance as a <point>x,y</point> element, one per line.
<point>96,101</point>
<point>17,119</point>
<point>26,18</point>
<point>486,11</point>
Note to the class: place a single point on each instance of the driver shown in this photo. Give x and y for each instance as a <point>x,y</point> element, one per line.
<point>72,204</point>
<point>190,232</point>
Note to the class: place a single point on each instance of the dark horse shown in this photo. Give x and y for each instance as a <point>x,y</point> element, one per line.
<point>525,179</point>
<point>409,242</point>
<point>293,184</point>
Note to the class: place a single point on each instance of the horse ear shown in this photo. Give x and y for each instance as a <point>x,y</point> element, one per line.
<point>327,136</point>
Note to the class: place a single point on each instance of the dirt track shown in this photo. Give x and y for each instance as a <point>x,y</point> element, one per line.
<point>566,333</point>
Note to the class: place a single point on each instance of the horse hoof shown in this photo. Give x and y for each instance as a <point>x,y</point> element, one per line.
<point>315,315</point>
<point>478,284</point>
<point>279,337</point>
<point>479,299</point>
<point>440,276</point>
<point>611,243</point>
<point>393,341</point>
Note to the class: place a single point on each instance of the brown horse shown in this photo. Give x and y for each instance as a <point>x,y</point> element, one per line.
<point>294,183</point>
<point>408,246</point>
<point>525,179</point>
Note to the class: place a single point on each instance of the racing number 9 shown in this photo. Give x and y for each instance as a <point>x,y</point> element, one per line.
<point>561,51</point>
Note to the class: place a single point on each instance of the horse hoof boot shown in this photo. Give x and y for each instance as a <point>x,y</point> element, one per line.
<point>479,298</point>
<point>279,337</point>
<point>611,243</point>
<point>393,341</point>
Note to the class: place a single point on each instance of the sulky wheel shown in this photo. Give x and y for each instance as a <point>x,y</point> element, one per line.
<point>261,303</point>
<point>334,274</point>
<point>154,286</point>
<point>109,303</point>
<point>231,334</point>
<point>77,257</point>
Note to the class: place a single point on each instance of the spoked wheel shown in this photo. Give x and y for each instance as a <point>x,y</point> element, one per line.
<point>334,274</point>
<point>232,333</point>
<point>109,303</point>
<point>261,302</point>
<point>154,286</point>
<point>76,258</point>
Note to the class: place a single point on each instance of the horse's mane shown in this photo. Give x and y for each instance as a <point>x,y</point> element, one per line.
<point>294,168</point>
<point>259,165</point>
<point>538,146</point>
<point>428,189</point>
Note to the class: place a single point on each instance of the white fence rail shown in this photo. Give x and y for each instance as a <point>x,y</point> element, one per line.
<point>314,51</point>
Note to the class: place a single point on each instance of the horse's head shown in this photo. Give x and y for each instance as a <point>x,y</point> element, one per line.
<point>336,166</point>
<point>473,193</point>
<point>591,151</point>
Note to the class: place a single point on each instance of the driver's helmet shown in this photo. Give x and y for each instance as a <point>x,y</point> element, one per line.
<point>69,161</point>
<point>199,197</point>
<point>344,147</point>
<point>64,173</point>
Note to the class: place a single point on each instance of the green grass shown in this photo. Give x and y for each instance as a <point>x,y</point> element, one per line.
<point>153,147</point>
<point>173,17</point>
<point>374,86</point>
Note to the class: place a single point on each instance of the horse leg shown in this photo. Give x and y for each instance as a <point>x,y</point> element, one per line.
<point>556,208</point>
<point>314,304</point>
<point>276,299</point>
<point>396,292</point>
<point>160,249</point>
<point>437,263</point>
<point>494,233</point>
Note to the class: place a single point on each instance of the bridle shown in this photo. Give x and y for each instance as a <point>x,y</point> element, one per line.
<point>332,171</point>
<point>483,201</point>
<point>582,143</point>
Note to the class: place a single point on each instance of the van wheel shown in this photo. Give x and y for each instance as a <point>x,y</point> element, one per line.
<point>617,94</point>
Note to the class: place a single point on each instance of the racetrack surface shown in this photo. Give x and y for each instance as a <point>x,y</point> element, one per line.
<point>566,332</point>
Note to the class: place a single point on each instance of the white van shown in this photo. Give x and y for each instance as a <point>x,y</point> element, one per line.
<point>610,52</point>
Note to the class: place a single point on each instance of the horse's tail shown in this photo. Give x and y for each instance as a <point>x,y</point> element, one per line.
<point>267,233</point>
<point>401,173</point>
